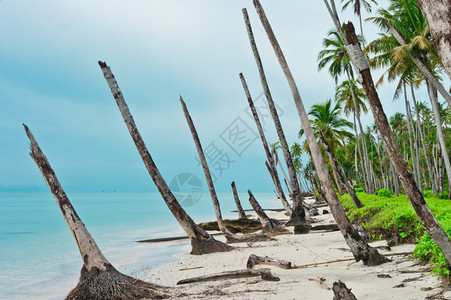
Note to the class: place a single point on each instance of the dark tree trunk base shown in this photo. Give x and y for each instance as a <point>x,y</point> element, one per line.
<point>341,292</point>
<point>211,245</point>
<point>367,254</point>
<point>111,284</point>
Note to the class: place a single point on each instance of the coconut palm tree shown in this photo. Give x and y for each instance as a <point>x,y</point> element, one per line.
<point>405,28</point>
<point>335,55</point>
<point>359,61</point>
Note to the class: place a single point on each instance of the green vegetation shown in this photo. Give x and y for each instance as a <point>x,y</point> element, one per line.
<point>384,193</point>
<point>394,219</point>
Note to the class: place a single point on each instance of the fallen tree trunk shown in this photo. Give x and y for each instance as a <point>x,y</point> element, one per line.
<point>201,241</point>
<point>256,260</point>
<point>98,278</point>
<point>265,274</point>
<point>239,208</point>
<point>269,226</point>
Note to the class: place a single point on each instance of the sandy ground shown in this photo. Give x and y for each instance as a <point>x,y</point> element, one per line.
<point>403,278</point>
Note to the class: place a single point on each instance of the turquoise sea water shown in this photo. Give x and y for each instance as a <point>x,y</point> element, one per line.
<point>40,260</point>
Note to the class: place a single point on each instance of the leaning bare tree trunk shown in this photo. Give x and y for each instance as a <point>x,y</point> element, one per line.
<point>201,241</point>
<point>269,226</point>
<point>438,17</point>
<point>269,157</point>
<point>360,249</point>
<point>427,219</point>
<point>231,237</point>
<point>422,67</point>
<point>298,215</point>
<point>98,278</point>
<point>340,172</point>
<point>239,208</point>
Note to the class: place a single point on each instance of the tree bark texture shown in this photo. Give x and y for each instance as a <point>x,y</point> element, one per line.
<point>360,249</point>
<point>438,17</point>
<point>269,226</point>
<point>201,241</point>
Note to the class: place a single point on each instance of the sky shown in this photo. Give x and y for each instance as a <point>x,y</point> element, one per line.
<point>157,50</point>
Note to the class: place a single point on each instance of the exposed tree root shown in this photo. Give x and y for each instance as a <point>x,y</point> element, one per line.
<point>111,284</point>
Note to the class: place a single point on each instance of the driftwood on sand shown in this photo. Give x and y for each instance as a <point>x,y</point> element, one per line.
<point>98,278</point>
<point>264,274</point>
<point>201,241</point>
<point>256,260</point>
<point>341,292</point>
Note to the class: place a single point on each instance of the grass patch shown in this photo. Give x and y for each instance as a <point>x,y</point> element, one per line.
<point>394,218</point>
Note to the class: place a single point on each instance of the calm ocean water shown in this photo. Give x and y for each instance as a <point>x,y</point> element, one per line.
<point>40,260</point>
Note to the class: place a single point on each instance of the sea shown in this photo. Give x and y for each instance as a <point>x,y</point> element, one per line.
<point>40,260</point>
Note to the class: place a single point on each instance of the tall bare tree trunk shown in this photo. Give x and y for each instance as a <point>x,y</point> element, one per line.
<point>98,278</point>
<point>239,208</point>
<point>268,225</point>
<point>298,215</point>
<point>438,123</point>
<point>410,133</point>
<point>360,249</point>
<point>427,219</point>
<point>269,157</point>
<point>231,237</point>
<point>438,17</point>
<point>201,241</point>
<point>338,169</point>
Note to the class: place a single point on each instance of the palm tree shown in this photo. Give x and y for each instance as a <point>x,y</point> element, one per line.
<point>352,98</point>
<point>327,122</point>
<point>406,29</point>
<point>359,61</point>
<point>357,4</point>
<point>360,249</point>
<point>335,55</point>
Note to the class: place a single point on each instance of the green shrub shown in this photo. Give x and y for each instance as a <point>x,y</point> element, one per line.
<point>359,190</point>
<point>443,196</point>
<point>384,193</point>
<point>356,185</point>
<point>395,218</point>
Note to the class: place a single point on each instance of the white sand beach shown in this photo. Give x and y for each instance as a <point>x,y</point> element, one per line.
<point>402,278</point>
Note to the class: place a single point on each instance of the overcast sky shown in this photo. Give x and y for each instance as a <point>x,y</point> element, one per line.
<point>158,50</point>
